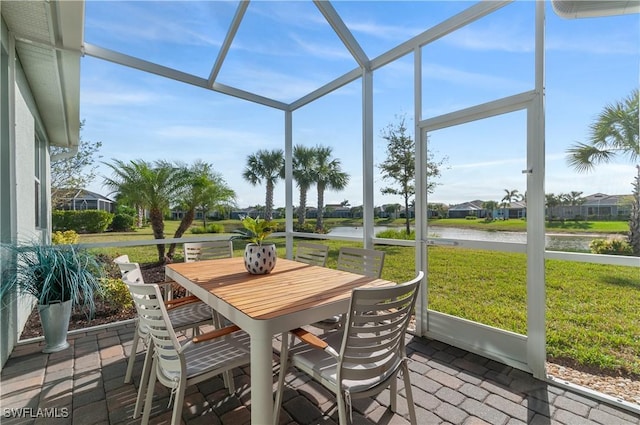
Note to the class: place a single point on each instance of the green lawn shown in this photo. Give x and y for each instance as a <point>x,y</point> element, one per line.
<point>592,309</point>
<point>521,225</point>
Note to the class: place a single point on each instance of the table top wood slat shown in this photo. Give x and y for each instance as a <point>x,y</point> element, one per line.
<point>291,286</point>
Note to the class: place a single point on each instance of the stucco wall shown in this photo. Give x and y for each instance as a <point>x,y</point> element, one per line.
<point>21,112</point>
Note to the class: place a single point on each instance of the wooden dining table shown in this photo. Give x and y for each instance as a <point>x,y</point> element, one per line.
<point>294,294</point>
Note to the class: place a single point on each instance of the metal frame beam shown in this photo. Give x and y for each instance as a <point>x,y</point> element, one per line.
<point>343,32</point>
<point>228,40</point>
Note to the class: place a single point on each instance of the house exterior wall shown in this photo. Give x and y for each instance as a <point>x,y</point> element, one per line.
<point>17,183</point>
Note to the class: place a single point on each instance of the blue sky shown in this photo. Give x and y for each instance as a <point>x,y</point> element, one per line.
<point>284,50</point>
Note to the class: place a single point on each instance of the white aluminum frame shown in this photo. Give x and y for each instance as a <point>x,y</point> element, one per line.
<point>526,352</point>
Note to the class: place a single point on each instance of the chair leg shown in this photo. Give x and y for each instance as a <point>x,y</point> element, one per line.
<point>176,416</point>
<point>227,378</point>
<point>343,415</point>
<point>149,398</point>
<point>132,355</point>
<point>147,370</point>
<point>409,391</point>
<point>284,360</point>
<point>393,395</point>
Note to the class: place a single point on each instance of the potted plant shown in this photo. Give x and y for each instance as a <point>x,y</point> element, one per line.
<point>259,257</point>
<point>58,276</point>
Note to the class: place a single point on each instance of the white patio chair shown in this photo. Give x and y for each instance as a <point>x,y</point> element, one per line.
<point>126,266</point>
<point>185,313</point>
<point>312,253</point>
<point>176,364</point>
<point>367,262</point>
<point>364,357</point>
<point>213,250</point>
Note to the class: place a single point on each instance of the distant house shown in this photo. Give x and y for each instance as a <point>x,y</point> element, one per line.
<point>251,212</point>
<point>516,209</point>
<point>81,199</point>
<point>468,208</point>
<point>337,211</point>
<point>604,206</point>
<point>596,206</point>
<point>412,213</point>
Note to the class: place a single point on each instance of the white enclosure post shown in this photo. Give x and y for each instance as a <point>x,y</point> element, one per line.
<point>288,181</point>
<point>536,335</point>
<point>421,194</point>
<point>367,157</point>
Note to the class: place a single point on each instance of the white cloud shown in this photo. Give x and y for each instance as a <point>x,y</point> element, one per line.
<point>600,43</point>
<point>323,50</point>
<point>185,23</point>
<point>473,79</point>
<point>505,38</point>
<point>118,97</point>
<point>387,32</point>
<point>488,164</point>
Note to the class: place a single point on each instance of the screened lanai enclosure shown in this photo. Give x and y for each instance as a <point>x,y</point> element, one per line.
<point>511,117</point>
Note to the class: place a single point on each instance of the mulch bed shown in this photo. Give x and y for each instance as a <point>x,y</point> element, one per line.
<point>105,312</point>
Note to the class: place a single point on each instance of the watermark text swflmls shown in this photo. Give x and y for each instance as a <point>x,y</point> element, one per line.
<point>29,412</point>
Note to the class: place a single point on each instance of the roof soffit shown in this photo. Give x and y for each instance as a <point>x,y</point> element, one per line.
<point>48,41</point>
<point>593,8</point>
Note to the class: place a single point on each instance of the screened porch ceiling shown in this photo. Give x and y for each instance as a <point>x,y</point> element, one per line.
<point>337,49</point>
<point>50,36</point>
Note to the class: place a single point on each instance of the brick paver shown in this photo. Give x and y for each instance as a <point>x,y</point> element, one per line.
<point>85,385</point>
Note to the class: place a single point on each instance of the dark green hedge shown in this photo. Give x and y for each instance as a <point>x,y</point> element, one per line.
<point>85,221</point>
<point>123,223</point>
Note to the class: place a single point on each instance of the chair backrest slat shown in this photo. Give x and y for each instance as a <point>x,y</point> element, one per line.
<point>124,258</point>
<point>153,315</point>
<point>367,262</point>
<point>213,250</point>
<point>312,253</point>
<point>128,267</point>
<point>377,320</point>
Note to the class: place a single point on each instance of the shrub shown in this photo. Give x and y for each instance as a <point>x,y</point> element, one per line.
<point>116,293</point>
<point>211,228</point>
<point>123,223</point>
<point>305,227</point>
<point>396,234</point>
<point>66,237</point>
<point>85,221</point>
<point>124,209</point>
<point>470,217</point>
<point>610,246</point>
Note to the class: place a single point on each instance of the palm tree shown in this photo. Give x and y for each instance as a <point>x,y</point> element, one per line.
<point>574,199</point>
<point>489,206</point>
<point>328,174</point>
<point>615,132</point>
<point>552,201</point>
<point>267,166</point>
<point>201,188</point>
<point>304,160</point>
<point>510,196</point>
<point>148,185</point>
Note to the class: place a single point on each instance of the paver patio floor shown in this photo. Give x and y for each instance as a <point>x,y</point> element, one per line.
<point>84,385</point>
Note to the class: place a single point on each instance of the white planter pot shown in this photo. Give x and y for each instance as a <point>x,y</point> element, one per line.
<point>260,259</point>
<point>55,325</point>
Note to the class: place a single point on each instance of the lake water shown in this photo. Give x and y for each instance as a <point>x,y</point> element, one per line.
<point>555,242</point>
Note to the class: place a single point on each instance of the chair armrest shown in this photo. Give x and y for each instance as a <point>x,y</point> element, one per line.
<point>178,302</point>
<point>309,338</point>
<point>215,334</point>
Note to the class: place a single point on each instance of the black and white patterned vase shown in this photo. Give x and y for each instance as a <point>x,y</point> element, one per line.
<point>260,259</point>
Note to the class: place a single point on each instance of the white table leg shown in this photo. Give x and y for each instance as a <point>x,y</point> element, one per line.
<point>261,378</point>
